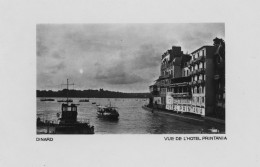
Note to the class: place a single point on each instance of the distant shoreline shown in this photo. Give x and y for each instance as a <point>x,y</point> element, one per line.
<point>99,97</point>
<point>90,94</point>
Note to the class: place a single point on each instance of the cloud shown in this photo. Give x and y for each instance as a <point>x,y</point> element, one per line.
<point>118,75</point>
<point>121,57</point>
<point>58,54</point>
<point>41,48</point>
<point>56,68</point>
<point>147,56</point>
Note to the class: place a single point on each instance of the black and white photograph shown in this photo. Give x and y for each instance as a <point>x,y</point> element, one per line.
<point>131,78</point>
<point>129,83</point>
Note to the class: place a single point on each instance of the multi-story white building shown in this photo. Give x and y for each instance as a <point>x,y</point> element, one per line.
<point>202,80</point>
<point>190,83</point>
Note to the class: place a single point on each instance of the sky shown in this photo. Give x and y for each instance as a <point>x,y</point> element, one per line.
<point>115,57</point>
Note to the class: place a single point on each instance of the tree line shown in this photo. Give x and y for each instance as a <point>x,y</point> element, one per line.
<point>90,94</point>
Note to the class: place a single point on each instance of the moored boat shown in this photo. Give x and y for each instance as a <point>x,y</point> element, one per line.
<point>45,99</point>
<point>67,123</point>
<point>69,100</point>
<point>107,112</point>
<point>84,100</point>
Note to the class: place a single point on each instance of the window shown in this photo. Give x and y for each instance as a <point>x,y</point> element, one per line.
<point>200,77</point>
<point>202,99</point>
<point>201,65</point>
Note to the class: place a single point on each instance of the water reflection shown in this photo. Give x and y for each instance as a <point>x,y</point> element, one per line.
<point>132,120</point>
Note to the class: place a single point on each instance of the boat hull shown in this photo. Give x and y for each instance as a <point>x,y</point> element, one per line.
<point>108,117</point>
<point>79,128</point>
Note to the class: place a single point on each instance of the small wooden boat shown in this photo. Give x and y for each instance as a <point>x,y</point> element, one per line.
<point>84,100</point>
<point>69,100</point>
<point>47,99</point>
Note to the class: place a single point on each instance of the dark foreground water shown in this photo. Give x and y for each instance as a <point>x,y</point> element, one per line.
<point>132,120</point>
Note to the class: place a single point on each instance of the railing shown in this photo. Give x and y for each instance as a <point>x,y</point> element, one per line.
<point>83,120</point>
<point>166,76</point>
<point>184,94</point>
<point>197,82</point>
<point>197,60</point>
<point>201,70</point>
<point>166,65</point>
<point>201,81</point>
<point>198,71</point>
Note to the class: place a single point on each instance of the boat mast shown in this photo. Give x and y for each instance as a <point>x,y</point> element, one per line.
<point>67,91</point>
<point>67,84</point>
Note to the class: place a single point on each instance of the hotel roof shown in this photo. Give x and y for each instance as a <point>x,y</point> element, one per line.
<point>205,46</point>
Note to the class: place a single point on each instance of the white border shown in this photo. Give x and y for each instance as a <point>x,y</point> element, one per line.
<point>18,21</point>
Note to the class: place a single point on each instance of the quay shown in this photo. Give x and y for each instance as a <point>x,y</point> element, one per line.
<point>190,118</point>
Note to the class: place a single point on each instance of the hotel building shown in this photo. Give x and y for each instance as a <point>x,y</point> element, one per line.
<point>193,83</point>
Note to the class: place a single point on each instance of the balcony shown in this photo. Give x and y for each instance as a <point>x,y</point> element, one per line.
<point>193,72</point>
<point>166,65</point>
<point>184,94</point>
<point>201,81</point>
<point>199,59</point>
<point>194,83</point>
<point>166,76</point>
<point>201,71</point>
<point>198,71</point>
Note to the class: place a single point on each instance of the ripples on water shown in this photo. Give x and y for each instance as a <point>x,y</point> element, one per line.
<point>132,120</point>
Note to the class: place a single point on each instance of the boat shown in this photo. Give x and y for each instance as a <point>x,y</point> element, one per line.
<point>69,100</point>
<point>93,102</point>
<point>84,100</point>
<point>45,99</point>
<point>107,112</point>
<point>67,122</point>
